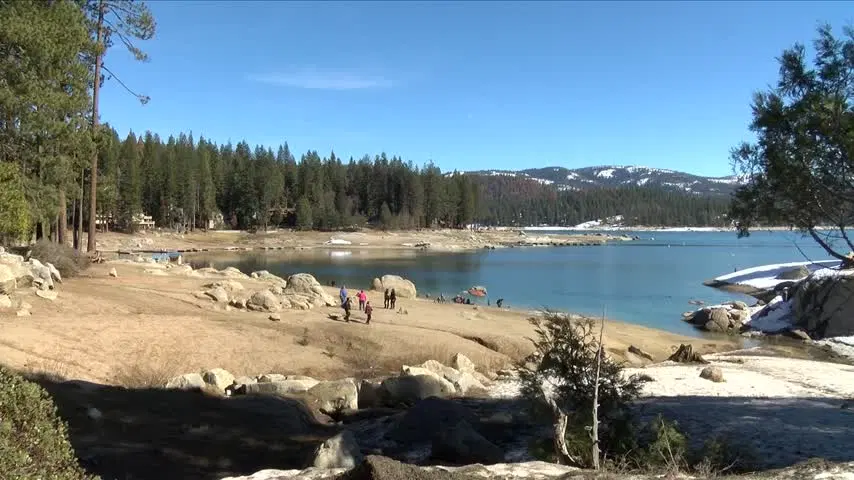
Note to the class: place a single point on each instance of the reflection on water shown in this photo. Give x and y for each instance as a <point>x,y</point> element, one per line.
<point>648,282</point>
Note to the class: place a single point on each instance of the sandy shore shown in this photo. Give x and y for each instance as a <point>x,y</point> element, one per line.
<point>440,240</point>
<point>104,329</point>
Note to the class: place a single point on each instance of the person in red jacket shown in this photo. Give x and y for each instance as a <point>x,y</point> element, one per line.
<point>368,311</point>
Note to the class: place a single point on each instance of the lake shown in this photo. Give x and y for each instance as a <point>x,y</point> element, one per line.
<point>648,282</point>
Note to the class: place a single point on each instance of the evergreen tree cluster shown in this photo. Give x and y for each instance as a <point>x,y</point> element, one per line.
<point>514,201</point>
<point>186,184</point>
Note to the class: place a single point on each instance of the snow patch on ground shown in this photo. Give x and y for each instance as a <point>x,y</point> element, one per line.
<point>772,318</point>
<point>765,276</point>
<point>607,173</point>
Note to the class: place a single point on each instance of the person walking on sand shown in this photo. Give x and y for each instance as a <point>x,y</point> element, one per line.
<point>363,298</point>
<point>368,311</point>
<point>386,299</point>
<point>392,298</point>
<point>346,305</point>
<point>343,294</point>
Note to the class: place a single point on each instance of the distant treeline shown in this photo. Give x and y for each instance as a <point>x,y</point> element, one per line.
<point>189,183</point>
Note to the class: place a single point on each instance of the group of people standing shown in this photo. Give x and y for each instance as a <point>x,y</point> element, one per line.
<point>389,301</point>
<point>364,304</point>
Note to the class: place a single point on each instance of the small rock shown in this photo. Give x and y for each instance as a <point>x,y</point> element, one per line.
<point>340,451</point>
<point>637,351</point>
<point>114,273</point>
<point>275,317</point>
<point>712,373</point>
<point>94,413</point>
<point>23,313</point>
<point>47,294</point>
<point>467,383</point>
<point>5,301</point>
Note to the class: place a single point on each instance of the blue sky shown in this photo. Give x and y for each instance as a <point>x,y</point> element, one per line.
<point>470,85</point>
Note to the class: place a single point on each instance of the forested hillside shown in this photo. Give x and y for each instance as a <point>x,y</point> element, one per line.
<point>519,201</point>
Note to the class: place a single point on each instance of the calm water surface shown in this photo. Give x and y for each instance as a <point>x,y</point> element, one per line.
<point>648,282</point>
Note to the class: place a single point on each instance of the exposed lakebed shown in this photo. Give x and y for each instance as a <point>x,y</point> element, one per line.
<point>648,281</point>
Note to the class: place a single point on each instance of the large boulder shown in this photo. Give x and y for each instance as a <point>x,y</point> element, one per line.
<point>415,371</point>
<point>218,378</point>
<point>218,295</point>
<point>8,281</point>
<point>340,451</point>
<point>302,287</point>
<point>461,444</point>
<point>403,288</point>
<point>409,389</point>
<point>795,273</point>
<point>823,305</point>
<point>463,363</point>
<point>264,301</point>
<point>188,381</point>
<point>334,396</point>
<point>718,320</point>
<point>42,277</point>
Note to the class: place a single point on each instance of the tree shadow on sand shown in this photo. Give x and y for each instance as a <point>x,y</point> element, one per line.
<point>174,434</point>
<point>778,431</point>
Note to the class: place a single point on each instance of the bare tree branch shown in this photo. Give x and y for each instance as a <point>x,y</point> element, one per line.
<point>142,98</point>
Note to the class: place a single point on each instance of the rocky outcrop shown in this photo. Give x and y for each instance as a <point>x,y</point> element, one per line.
<point>461,444</point>
<point>824,305</point>
<point>403,288</point>
<point>427,418</point>
<point>729,318</point>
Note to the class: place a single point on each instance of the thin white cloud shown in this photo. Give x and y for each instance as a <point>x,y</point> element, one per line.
<point>323,80</point>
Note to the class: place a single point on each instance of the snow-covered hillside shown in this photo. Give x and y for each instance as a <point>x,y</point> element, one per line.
<point>622,176</point>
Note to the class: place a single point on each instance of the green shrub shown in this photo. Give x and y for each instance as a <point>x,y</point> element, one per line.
<point>33,439</point>
<point>67,260</point>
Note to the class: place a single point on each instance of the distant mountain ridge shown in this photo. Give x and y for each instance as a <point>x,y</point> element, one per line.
<point>611,176</point>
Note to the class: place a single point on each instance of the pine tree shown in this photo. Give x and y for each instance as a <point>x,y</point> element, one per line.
<point>130,190</point>
<point>304,220</point>
<point>126,20</point>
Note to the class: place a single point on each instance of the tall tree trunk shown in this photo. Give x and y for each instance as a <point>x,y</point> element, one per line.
<point>63,217</point>
<point>78,226</point>
<point>93,182</point>
<point>75,234</point>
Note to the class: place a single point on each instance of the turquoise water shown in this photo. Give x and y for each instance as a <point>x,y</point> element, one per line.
<point>648,282</point>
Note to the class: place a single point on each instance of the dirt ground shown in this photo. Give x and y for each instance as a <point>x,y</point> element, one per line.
<point>138,329</point>
<point>439,240</point>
